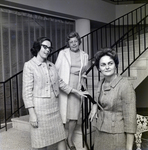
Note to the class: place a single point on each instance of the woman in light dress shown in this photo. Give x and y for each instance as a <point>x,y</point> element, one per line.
<point>71,64</point>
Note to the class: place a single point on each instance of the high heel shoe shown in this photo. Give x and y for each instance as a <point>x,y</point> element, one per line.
<point>70,147</point>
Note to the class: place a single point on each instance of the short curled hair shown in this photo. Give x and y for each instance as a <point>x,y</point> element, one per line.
<point>106,52</point>
<point>37,45</point>
<point>72,35</point>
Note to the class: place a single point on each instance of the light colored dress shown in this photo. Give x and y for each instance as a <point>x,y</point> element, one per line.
<point>74,101</point>
<point>40,90</point>
<point>63,65</point>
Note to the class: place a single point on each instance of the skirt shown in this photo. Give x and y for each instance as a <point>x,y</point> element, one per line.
<point>50,127</point>
<point>74,101</point>
<point>109,141</point>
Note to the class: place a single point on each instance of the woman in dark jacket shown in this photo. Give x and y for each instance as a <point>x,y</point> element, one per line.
<point>115,106</point>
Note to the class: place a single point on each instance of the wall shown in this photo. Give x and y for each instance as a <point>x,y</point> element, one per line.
<point>124,9</point>
<point>97,10</point>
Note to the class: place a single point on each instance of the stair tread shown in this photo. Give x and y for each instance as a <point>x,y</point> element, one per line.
<point>22,118</point>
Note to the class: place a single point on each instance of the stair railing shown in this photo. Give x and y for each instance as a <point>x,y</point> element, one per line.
<point>10,96</point>
<point>132,45</point>
<point>108,34</point>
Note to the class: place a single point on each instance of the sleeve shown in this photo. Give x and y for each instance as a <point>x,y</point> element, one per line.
<point>84,76</point>
<point>28,82</point>
<point>85,67</point>
<point>59,59</point>
<point>129,107</point>
<point>64,87</point>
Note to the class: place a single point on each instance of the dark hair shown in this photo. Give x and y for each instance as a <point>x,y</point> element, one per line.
<point>37,45</point>
<point>108,52</point>
<point>72,35</point>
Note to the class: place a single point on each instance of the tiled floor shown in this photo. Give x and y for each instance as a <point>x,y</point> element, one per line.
<point>17,140</point>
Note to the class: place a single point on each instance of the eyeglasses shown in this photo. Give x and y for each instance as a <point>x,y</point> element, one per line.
<point>46,47</point>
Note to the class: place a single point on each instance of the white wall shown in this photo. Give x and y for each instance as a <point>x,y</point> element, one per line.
<point>124,9</point>
<point>97,10</point>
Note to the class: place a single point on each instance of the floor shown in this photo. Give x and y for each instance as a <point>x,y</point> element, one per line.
<point>13,139</point>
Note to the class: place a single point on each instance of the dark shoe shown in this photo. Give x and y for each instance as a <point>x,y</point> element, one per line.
<point>70,147</point>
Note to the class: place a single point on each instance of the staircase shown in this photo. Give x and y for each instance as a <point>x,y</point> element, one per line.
<point>138,70</point>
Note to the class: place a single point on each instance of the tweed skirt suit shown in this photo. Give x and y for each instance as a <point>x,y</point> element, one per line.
<point>116,114</point>
<point>40,90</point>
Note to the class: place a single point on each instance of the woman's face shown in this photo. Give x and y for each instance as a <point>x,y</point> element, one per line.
<point>74,44</point>
<point>107,66</point>
<point>45,50</point>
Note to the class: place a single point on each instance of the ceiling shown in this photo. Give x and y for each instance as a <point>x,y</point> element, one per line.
<point>118,2</point>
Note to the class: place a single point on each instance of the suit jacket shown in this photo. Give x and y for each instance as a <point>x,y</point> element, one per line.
<point>117,107</point>
<point>38,79</point>
<point>63,64</point>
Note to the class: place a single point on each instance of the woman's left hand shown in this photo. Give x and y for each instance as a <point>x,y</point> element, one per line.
<point>93,112</point>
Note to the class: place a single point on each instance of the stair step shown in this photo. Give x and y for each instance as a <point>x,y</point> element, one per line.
<point>21,123</point>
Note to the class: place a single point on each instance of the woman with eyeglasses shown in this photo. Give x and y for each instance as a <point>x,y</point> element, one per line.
<point>115,106</point>
<point>41,85</point>
<point>72,63</point>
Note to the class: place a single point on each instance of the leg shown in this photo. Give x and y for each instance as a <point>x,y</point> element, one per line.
<point>71,128</point>
<point>62,145</point>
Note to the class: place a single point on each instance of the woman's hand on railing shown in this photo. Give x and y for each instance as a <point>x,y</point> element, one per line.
<point>93,112</point>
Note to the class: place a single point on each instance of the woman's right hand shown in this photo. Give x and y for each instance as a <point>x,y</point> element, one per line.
<point>33,118</point>
<point>81,93</point>
<point>93,112</point>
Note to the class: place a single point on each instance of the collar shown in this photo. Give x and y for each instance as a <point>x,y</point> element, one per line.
<point>112,84</point>
<point>35,60</point>
<point>116,81</point>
